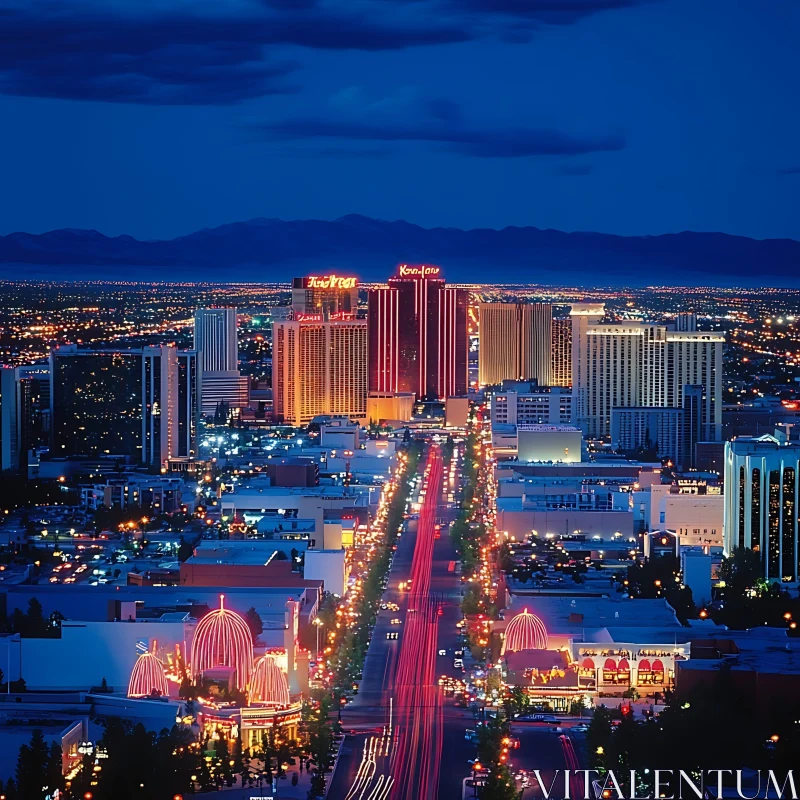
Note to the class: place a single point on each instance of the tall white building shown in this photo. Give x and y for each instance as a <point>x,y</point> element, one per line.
<point>761,503</point>
<point>217,346</point>
<point>626,364</point>
<point>319,368</point>
<point>515,342</point>
<point>215,339</point>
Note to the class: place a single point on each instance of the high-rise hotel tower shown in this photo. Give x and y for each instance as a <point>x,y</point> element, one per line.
<point>630,364</point>
<point>217,347</point>
<point>515,343</point>
<point>418,335</point>
<point>319,368</point>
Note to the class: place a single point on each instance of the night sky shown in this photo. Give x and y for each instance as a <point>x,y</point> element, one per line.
<point>159,117</point>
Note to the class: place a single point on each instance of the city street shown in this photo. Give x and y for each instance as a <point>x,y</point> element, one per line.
<point>405,739</point>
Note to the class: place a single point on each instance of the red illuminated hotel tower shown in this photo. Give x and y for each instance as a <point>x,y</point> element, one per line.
<point>418,335</point>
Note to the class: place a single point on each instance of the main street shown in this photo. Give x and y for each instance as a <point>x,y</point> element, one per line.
<point>405,739</point>
<point>399,690</point>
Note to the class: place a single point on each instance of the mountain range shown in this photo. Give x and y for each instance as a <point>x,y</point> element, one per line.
<point>266,250</point>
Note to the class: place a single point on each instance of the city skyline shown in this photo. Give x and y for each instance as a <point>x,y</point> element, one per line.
<point>244,508</point>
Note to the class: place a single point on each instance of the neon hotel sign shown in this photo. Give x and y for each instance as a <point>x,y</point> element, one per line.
<point>421,271</point>
<point>331,282</point>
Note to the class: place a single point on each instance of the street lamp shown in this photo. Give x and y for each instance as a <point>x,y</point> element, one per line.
<point>476,768</point>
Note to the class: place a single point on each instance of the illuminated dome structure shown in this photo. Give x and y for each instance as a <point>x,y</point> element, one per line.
<point>525,632</point>
<point>222,639</point>
<point>147,676</point>
<point>269,685</point>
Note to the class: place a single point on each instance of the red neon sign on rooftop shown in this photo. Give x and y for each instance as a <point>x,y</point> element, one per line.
<point>331,282</point>
<point>417,271</point>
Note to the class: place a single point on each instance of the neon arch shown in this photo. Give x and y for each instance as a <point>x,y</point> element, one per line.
<point>525,632</point>
<point>147,676</point>
<point>222,639</point>
<point>268,684</point>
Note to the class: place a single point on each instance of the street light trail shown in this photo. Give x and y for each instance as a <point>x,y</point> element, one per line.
<point>571,760</point>
<point>415,761</point>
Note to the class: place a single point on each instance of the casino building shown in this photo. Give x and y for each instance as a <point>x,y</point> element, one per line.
<point>320,355</point>
<point>239,696</point>
<point>325,297</point>
<point>418,339</point>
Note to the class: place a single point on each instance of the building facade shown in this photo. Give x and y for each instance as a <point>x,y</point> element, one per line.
<point>319,368</point>
<point>532,405</point>
<point>515,343</point>
<point>140,404</point>
<point>215,339</point>
<point>561,363</point>
<point>222,387</point>
<point>761,503</point>
<point>418,335</point>
<point>24,413</point>
<point>625,364</point>
<point>644,428</point>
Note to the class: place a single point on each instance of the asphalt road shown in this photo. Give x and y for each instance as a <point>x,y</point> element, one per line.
<point>406,744</point>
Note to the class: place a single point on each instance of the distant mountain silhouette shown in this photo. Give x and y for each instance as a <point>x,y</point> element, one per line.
<point>274,250</point>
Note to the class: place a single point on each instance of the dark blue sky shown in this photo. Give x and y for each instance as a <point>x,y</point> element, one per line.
<point>158,117</point>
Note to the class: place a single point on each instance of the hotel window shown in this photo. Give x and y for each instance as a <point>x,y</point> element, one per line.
<point>755,510</point>
<point>741,507</point>
<point>787,527</point>
<point>774,525</point>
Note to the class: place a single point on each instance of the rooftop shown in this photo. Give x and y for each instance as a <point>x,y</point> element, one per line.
<point>580,615</point>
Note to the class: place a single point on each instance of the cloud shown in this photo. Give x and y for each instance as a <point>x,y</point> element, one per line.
<point>177,53</point>
<point>788,170</point>
<point>459,138</point>
<point>573,170</point>
<point>546,12</point>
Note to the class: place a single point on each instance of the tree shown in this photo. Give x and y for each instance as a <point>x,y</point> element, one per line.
<point>185,550</point>
<point>254,622</point>
<point>32,767</point>
<point>500,785</point>
<point>32,624</point>
<point>54,778</point>
<point>741,571</point>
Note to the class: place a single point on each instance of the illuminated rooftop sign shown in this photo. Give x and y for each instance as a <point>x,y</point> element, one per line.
<point>418,272</point>
<point>330,282</point>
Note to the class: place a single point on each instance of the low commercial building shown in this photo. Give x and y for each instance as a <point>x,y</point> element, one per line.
<point>390,407</point>
<point>588,649</point>
<point>330,567</point>
<point>762,668</point>
<point>550,443</point>
<point>525,403</point>
<point>599,512</point>
<point>456,412</point>
<point>246,563</point>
